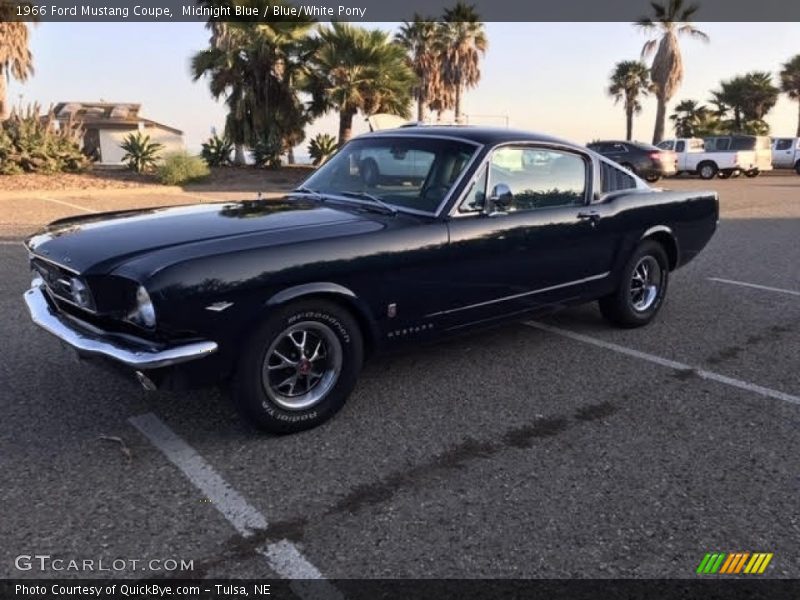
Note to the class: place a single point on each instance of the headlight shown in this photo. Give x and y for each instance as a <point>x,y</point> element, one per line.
<point>80,293</point>
<point>144,313</point>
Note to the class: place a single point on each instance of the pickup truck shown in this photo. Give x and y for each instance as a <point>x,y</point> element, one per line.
<point>786,153</point>
<point>695,159</point>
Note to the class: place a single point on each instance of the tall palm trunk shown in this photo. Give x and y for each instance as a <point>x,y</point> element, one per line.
<point>345,125</point>
<point>290,155</point>
<point>238,155</point>
<point>458,103</point>
<point>661,115</point>
<point>3,90</point>
<point>420,108</point>
<point>798,117</point>
<point>629,123</point>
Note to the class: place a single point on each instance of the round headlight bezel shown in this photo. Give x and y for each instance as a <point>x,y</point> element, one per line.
<point>144,312</point>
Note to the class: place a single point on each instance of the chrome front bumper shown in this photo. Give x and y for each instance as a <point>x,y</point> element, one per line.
<point>137,354</point>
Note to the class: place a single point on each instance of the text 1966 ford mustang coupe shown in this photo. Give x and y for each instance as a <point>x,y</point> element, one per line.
<point>285,298</point>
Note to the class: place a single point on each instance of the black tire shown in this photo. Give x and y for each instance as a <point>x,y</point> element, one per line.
<point>797,167</point>
<point>370,174</point>
<point>620,307</point>
<point>752,173</point>
<point>262,402</point>
<point>707,169</point>
<point>652,178</point>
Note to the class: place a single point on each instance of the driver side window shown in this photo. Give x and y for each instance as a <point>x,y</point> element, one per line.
<point>539,177</point>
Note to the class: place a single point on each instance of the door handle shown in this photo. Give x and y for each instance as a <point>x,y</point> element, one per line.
<point>591,215</point>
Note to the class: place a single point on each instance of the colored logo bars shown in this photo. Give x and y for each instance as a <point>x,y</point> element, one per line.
<point>734,563</point>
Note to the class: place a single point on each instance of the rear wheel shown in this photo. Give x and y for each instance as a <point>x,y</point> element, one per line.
<point>642,287</point>
<point>707,170</point>
<point>653,178</point>
<point>299,367</point>
<point>797,167</point>
<point>752,173</point>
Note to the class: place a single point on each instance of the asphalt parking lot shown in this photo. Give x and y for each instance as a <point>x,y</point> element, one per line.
<point>560,448</point>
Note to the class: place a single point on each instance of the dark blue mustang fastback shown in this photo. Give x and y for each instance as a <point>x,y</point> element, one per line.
<point>402,237</point>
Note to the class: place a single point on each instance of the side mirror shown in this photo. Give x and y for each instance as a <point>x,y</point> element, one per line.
<point>500,198</point>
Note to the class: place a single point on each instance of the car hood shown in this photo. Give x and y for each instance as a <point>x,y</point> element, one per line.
<point>98,243</point>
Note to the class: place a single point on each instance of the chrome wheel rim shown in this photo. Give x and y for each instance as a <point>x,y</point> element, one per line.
<point>707,172</point>
<point>645,283</point>
<point>301,365</point>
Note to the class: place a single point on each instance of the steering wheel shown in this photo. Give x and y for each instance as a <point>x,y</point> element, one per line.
<point>436,191</point>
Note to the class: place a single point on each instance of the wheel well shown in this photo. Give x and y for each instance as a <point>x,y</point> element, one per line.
<point>708,162</point>
<point>669,244</point>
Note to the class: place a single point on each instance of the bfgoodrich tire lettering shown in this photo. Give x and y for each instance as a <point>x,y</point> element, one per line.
<point>642,288</point>
<point>299,367</point>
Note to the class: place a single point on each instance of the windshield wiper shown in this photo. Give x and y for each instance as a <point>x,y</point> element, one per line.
<point>372,198</point>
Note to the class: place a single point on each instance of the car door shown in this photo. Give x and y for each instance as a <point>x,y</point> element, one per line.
<point>783,153</point>
<point>541,245</point>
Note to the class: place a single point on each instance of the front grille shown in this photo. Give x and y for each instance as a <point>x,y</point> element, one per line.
<point>57,280</point>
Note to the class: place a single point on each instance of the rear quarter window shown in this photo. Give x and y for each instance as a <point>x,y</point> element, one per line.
<point>613,179</point>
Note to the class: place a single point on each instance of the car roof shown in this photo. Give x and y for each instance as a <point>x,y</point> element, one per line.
<point>479,135</point>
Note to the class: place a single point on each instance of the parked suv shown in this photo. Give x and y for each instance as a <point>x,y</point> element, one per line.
<point>758,144</point>
<point>644,160</point>
<point>786,153</point>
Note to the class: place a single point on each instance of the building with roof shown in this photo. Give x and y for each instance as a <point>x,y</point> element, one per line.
<point>107,124</point>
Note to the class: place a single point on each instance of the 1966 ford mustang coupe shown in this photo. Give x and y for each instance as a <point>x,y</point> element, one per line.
<point>284,298</point>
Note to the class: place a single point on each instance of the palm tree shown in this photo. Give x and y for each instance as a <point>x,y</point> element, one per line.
<point>629,80</point>
<point>254,66</point>
<point>354,69</point>
<point>669,21</point>
<point>790,83</point>
<point>462,42</point>
<point>749,98</point>
<point>691,119</point>
<point>16,59</point>
<point>419,39</point>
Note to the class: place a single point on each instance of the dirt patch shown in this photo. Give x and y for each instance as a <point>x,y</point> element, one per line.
<point>223,179</point>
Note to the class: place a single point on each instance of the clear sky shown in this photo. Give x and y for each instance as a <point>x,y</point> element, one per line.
<point>549,77</point>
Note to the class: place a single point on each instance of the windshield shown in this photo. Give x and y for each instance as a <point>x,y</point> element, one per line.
<point>415,173</point>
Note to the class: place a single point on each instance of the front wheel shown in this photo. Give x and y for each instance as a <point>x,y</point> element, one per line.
<point>642,287</point>
<point>797,167</point>
<point>299,367</point>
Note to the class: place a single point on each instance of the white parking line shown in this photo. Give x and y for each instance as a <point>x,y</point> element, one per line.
<point>671,364</point>
<point>283,557</point>
<point>70,204</point>
<point>755,285</point>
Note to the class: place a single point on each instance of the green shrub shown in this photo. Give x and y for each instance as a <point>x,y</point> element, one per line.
<point>181,168</point>
<point>321,147</point>
<point>267,151</point>
<point>141,154</point>
<point>31,143</point>
<point>217,151</point>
